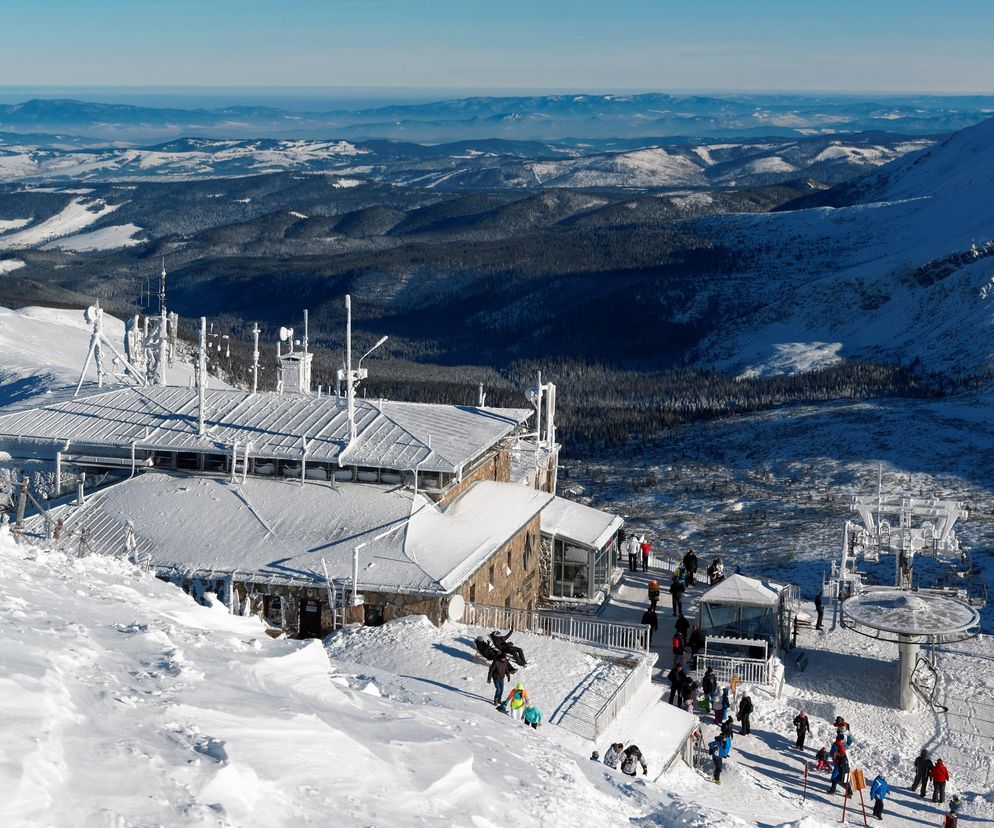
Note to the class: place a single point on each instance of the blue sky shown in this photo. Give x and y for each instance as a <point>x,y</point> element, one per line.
<point>841,45</point>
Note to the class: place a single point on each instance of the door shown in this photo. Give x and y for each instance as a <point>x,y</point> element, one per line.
<point>310,618</point>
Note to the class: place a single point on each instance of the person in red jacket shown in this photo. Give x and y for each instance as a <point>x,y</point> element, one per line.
<point>645,547</point>
<point>940,775</point>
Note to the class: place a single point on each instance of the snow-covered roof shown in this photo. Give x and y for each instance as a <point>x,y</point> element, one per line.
<point>279,530</point>
<point>578,523</point>
<point>749,592</point>
<point>390,435</point>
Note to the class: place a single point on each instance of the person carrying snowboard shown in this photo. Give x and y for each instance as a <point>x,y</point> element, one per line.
<point>515,702</point>
<point>803,728</point>
<point>745,711</point>
<point>499,672</point>
<point>632,759</point>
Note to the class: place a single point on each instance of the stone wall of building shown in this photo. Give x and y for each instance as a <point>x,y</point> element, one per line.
<point>496,467</point>
<point>511,577</point>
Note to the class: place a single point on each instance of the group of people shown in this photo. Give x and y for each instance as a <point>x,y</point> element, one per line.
<point>628,759</point>
<point>517,704</point>
<point>637,548</point>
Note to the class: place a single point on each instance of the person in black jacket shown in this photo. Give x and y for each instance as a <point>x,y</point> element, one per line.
<point>819,609</point>
<point>803,728</point>
<point>690,566</point>
<point>499,672</point>
<point>651,620</point>
<point>676,591</point>
<point>745,711</point>
<point>682,625</point>
<point>696,641</point>
<point>679,648</point>
<point>676,680</point>
<point>923,769</point>
<point>688,692</point>
<point>653,594</point>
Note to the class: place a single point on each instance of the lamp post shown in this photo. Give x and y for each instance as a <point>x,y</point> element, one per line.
<point>379,342</point>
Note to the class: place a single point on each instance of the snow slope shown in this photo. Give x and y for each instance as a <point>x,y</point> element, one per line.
<point>106,238</point>
<point>125,703</point>
<point>78,214</point>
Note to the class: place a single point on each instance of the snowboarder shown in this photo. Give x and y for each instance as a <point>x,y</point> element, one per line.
<point>679,648</point>
<point>676,591</point>
<point>676,680</point>
<point>645,547</point>
<point>709,684</point>
<point>818,609</point>
<point>940,775</point>
<point>690,566</point>
<point>613,755</point>
<point>682,625</point>
<point>533,716</point>
<point>651,620</point>
<point>803,727</point>
<point>632,759</point>
<point>633,551</point>
<point>878,791</point>
<point>516,701</point>
<point>745,711</point>
<point>923,770</point>
<point>653,595</point>
<point>499,672</point>
<point>505,645</point>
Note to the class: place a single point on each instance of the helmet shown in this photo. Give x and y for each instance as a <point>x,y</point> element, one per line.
<point>519,686</point>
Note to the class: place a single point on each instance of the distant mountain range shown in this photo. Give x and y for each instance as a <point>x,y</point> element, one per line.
<point>539,117</point>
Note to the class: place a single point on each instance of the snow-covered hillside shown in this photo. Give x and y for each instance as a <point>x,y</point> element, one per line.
<point>906,270</point>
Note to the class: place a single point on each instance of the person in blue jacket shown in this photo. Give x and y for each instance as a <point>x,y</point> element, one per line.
<point>533,716</point>
<point>878,792</point>
<point>720,749</point>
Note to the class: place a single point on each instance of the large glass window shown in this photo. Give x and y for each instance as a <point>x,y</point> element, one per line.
<point>570,571</point>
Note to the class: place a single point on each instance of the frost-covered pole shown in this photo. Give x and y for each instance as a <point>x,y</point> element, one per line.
<point>481,397</point>
<point>255,357</point>
<point>349,385</point>
<point>163,345</point>
<point>538,408</point>
<point>201,374</point>
<point>98,335</point>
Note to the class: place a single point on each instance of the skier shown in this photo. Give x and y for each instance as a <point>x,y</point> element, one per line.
<point>500,670</point>
<point>940,775</point>
<point>632,759</point>
<point>923,770</point>
<point>676,680</point>
<point>653,595</point>
<point>745,711</point>
<point>676,591</point>
<point>709,684</point>
<point>505,645</point>
<point>819,609</point>
<point>878,791</point>
<point>803,727</point>
<point>645,547</point>
<point>533,716</point>
<point>679,648</point>
<point>516,701</point>
<point>682,625</point>
<point>720,749</point>
<point>613,755</point>
<point>690,565</point>
<point>651,620</point>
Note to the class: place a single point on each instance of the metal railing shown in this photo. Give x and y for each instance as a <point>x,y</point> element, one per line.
<point>629,637</point>
<point>639,677</point>
<point>748,670</point>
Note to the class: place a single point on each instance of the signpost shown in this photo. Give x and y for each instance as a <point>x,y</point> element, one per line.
<point>856,781</point>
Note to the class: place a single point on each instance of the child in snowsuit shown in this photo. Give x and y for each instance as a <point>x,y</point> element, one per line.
<point>822,757</point>
<point>632,759</point>
<point>533,716</point>
<point>613,755</point>
<point>516,701</point>
<point>878,791</point>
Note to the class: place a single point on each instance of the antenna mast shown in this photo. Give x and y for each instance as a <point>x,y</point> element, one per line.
<point>349,382</point>
<point>201,375</point>
<point>255,356</point>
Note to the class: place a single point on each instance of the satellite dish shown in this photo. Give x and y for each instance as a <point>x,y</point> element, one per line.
<point>285,334</point>
<point>457,606</point>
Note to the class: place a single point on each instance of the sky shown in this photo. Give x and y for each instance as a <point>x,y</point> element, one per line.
<point>571,45</point>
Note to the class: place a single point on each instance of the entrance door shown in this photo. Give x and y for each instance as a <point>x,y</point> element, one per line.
<point>310,618</point>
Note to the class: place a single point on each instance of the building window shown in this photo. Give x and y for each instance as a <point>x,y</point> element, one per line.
<point>572,573</point>
<point>508,558</point>
<point>528,551</point>
<point>491,573</point>
<point>472,593</point>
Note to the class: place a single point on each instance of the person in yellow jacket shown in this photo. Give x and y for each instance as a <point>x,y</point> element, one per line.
<point>516,701</point>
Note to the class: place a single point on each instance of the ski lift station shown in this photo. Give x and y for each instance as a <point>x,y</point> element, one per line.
<point>908,614</point>
<point>310,509</point>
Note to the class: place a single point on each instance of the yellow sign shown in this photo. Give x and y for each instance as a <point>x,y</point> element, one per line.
<point>857,780</point>
<point>734,683</point>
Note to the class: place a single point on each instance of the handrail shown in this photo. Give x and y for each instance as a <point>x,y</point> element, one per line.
<point>638,678</point>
